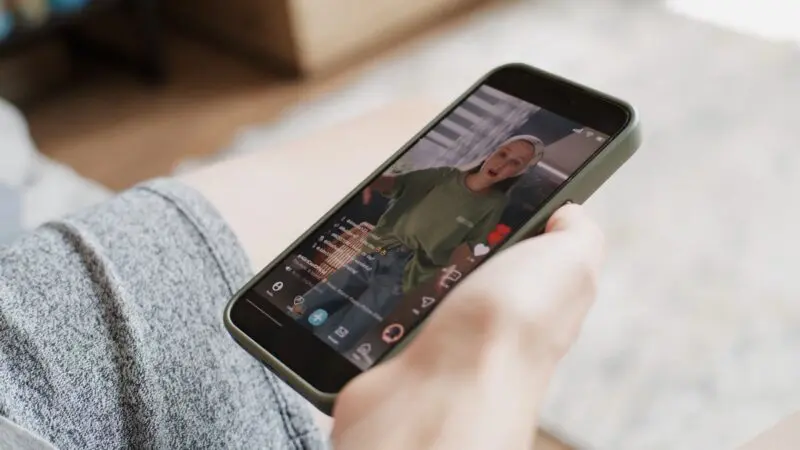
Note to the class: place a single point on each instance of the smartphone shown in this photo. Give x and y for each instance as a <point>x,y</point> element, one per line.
<point>486,173</point>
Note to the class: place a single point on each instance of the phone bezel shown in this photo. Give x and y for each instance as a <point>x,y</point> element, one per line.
<point>317,370</point>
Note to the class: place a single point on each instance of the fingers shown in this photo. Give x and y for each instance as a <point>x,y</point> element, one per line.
<point>573,246</point>
<point>583,235</point>
<point>541,287</point>
<point>569,216</point>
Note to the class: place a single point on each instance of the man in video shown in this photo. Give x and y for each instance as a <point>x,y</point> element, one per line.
<point>435,218</point>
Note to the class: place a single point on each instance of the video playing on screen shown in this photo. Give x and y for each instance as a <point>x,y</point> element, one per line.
<point>384,261</point>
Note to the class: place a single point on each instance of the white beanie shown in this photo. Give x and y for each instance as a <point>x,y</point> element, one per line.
<point>538,148</point>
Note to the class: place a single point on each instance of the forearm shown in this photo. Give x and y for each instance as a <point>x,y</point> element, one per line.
<point>460,259</point>
<point>461,256</point>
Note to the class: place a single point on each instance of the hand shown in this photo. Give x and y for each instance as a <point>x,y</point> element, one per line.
<point>366,195</point>
<point>474,376</point>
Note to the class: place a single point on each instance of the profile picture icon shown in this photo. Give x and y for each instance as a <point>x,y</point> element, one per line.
<point>393,333</point>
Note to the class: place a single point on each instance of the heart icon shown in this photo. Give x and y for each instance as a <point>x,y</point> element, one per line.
<point>481,249</point>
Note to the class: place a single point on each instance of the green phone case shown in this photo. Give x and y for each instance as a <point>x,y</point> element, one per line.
<point>583,183</point>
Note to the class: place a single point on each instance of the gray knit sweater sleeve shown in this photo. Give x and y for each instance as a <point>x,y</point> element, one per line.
<point>111,334</point>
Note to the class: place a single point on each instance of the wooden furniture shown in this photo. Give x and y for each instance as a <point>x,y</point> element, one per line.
<point>307,37</point>
<point>142,15</point>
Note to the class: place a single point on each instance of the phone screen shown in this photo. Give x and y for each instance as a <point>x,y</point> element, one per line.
<point>375,269</point>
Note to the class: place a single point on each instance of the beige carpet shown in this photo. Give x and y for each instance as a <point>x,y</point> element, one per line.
<point>695,342</point>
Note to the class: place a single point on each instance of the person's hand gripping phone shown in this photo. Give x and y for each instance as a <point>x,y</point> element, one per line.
<point>476,373</point>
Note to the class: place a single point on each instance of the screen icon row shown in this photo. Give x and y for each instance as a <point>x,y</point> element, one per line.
<point>589,134</point>
<point>425,304</point>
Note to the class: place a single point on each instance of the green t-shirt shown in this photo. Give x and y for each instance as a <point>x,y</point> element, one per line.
<point>432,213</point>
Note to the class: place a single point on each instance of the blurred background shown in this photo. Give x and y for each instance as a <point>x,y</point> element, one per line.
<point>694,342</point>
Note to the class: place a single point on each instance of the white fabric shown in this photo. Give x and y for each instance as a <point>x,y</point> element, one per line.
<point>16,148</point>
<point>771,19</point>
<point>33,188</point>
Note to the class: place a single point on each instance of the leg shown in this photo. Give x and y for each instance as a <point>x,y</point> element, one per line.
<point>384,291</point>
<point>350,279</point>
<point>322,296</point>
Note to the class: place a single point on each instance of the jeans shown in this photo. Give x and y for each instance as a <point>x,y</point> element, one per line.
<point>378,288</point>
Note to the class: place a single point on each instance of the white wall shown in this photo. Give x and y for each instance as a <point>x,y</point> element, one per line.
<point>770,19</point>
